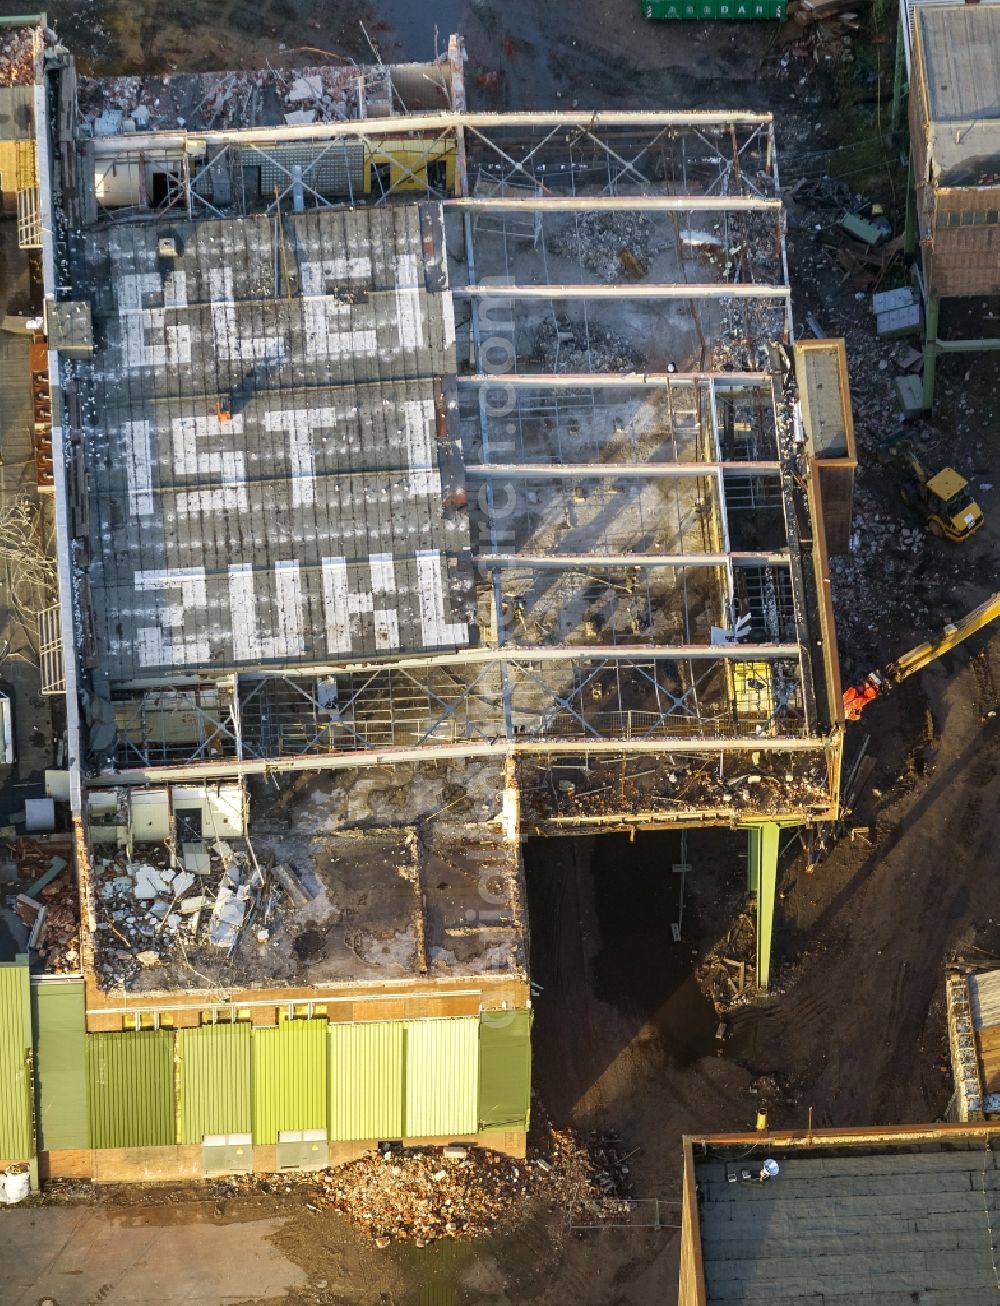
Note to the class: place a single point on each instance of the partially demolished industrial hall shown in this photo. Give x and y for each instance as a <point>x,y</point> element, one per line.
<point>422,480</point>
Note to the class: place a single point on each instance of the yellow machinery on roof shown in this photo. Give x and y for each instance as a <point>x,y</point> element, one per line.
<point>877,683</point>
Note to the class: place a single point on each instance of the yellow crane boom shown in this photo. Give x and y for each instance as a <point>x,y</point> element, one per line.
<point>857,697</point>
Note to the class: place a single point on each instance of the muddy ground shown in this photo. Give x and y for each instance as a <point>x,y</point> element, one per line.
<point>855,1026</point>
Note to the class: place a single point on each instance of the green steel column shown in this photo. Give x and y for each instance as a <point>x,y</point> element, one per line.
<point>762,879</point>
<point>910,228</point>
<point>897,83</point>
<point>930,349</point>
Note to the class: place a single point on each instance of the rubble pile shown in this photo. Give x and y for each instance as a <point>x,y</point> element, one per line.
<point>58,944</point>
<point>17,60</point>
<point>239,98</point>
<point>48,902</point>
<point>617,246</point>
<point>424,1194</point>
<point>565,346</point>
<point>160,908</point>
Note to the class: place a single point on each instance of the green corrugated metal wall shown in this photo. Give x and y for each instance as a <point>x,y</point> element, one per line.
<point>131,1081</point>
<point>16,1119</point>
<point>289,1078</point>
<point>442,1077</point>
<point>58,1015</point>
<point>366,1080</point>
<point>504,1069</point>
<point>214,1081</point>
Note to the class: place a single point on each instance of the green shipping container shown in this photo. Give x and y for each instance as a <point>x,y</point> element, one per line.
<point>442,1077</point>
<point>504,1069</point>
<point>17,1134</point>
<point>214,1081</point>
<point>289,1078</point>
<point>59,1017</point>
<point>721,9</point>
<point>131,1089</point>
<point>367,1079</point>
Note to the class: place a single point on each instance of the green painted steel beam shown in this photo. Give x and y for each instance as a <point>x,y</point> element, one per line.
<point>967,346</point>
<point>762,880</point>
<point>931,346</point>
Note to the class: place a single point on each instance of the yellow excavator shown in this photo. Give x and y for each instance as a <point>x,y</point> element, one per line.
<point>944,498</point>
<point>878,683</point>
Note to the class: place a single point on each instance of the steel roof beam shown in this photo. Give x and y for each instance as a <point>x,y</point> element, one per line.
<point>601,290</point>
<point>627,203</point>
<point>557,561</point>
<point>546,471</point>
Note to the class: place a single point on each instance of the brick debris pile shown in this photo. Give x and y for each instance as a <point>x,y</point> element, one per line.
<point>48,904</point>
<point>462,1192</point>
<point>17,58</point>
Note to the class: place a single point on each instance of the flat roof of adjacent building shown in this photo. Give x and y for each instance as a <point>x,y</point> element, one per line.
<point>960,61</point>
<point>904,1215</point>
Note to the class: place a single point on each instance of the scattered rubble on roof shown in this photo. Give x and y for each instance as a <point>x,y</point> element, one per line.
<point>617,246</point>
<point>222,100</point>
<point>564,345</point>
<point>154,909</point>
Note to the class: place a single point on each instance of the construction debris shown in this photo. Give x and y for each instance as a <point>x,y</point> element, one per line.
<point>160,912</point>
<point>420,1195</point>
<point>617,246</point>
<point>568,346</point>
<point>240,98</point>
<point>17,60</point>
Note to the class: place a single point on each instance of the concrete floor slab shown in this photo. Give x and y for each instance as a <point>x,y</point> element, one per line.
<point>139,1257</point>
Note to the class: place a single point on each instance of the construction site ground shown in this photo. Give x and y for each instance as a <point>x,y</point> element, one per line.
<point>854,1026</point>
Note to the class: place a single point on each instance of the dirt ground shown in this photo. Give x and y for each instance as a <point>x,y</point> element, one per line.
<point>854,1028</point>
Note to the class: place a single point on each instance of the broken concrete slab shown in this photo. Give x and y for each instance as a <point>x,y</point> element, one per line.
<point>887,300</point>
<point>196,858</point>
<point>183,881</point>
<point>291,884</point>
<point>899,322</point>
<point>305,88</point>
<point>910,393</point>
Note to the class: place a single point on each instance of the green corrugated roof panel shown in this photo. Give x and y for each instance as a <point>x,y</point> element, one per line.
<point>17,1141</point>
<point>442,1077</point>
<point>366,1081</point>
<point>131,1080</point>
<point>289,1078</point>
<point>504,1069</point>
<point>59,1018</point>
<point>214,1081</point>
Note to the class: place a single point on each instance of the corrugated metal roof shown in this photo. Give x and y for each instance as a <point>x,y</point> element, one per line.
<point>960,57</point>
<point>289,1078</point>
<point>366,1081</point>
<point>16,1125</point>
<point>214,1081</point>
<point>984,995</point>
<point>333,441</point>
<point>131,1082</point>
<point>504,1069</point>
<point>59,1018</point>
<point>442,1077</point>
